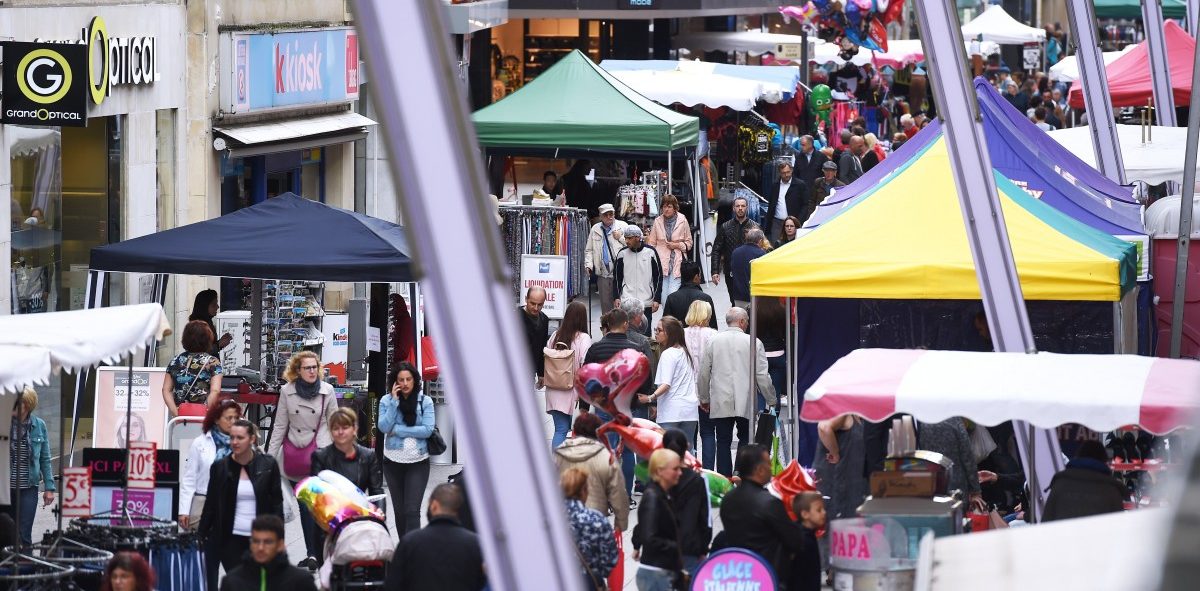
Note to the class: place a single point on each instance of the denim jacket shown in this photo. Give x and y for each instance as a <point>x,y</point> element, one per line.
<point>40,471</point>
<point>391,422</point>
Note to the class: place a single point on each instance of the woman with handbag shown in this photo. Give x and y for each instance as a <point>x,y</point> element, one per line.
<point>671,237</point>
<point>194,376</point>
<point>306,404</point>
<point>571,337</point>
<point>241,486</point>
<point>656,537</point>
<point>406,417</point>
<point>205,450</point>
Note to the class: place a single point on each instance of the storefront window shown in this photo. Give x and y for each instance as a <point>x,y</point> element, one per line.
<point>164,139</point>
<point>35,157</point>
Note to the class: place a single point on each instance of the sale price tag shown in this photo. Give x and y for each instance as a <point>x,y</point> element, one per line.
<point>138,502</point>
<point>77,492</point>
<point>141,464</point>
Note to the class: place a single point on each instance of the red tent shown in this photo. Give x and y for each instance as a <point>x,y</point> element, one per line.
<point>1129,75</point>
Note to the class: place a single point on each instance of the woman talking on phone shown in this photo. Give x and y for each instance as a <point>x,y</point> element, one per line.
<point>407,420</point>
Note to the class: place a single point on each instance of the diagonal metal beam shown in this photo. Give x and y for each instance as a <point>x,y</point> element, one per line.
<point>1185,211</point>
<point>1160,67</point>
<point>1094,81</point>
<point>983,217</point>
<point>435,162</point>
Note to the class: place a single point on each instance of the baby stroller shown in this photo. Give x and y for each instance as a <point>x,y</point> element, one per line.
<point>356,555</point>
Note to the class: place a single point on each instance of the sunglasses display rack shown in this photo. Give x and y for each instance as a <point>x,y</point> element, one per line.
<point>290,315</point>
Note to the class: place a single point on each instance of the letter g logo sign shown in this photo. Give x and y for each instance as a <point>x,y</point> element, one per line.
<point>44,76</point>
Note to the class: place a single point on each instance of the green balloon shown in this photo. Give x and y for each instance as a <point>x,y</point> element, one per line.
<point>821,102</point>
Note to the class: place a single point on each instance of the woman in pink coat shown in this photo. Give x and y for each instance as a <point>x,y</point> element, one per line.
<point>671,237</point>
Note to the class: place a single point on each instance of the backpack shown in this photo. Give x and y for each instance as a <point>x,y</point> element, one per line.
<point>559,373</point>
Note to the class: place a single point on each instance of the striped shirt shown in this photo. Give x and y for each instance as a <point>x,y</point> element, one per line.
<point>20,458</point>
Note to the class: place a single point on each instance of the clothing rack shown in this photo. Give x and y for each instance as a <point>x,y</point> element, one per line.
<point>546,230</point>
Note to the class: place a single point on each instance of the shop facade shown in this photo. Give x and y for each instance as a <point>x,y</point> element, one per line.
<point>93,164</point>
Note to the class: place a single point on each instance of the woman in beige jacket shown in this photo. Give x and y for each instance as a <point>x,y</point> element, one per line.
<point>671,237</point>
<point>305,405</point>
<point>606,485</point>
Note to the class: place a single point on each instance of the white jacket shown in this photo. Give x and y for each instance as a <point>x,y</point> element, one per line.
<point>724,372</point>
<point>593,255</point>
<point>199,459</point>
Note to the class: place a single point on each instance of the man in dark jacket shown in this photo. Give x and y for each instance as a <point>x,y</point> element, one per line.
<point>790,198</point>
<point>739,261</point>
<point>537,329</point>
<point>730,235</point>
<point>808,163</point>
<point>757,521</point>
<point>678,303</point>
<point>266,567</point>
<point>1086,487</point>
<point>689,502</point>
<point>443,555</point>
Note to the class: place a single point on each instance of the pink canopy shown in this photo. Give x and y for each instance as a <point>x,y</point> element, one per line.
<point>1129,80</point>
<point>1101,392</point>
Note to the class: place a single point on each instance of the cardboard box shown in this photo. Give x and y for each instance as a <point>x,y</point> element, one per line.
<point>903,484</point>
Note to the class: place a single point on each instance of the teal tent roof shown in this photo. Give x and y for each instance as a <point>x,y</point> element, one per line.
<point>1133,9</point>
<point>576,106</point>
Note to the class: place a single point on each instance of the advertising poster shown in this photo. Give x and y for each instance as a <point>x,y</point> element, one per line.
<point>108,470</point>
<point>149,413</point>
<point>550,273</point>
<point>334,353</point>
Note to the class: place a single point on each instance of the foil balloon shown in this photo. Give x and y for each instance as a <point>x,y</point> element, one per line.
<point>892,12</point>
<point>804,13</point>
<point>821,102</point>
<point>787,484</point>
<point>330,506</point>
<point>718,486</point>
<point>610,385</point>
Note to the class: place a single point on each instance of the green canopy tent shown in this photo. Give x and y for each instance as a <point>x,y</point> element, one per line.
<point>1133,9</point>
<point>576,108</point>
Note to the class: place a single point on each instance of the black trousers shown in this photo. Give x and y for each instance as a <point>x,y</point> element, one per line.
<point>227,553</point>
<point>406,487</point>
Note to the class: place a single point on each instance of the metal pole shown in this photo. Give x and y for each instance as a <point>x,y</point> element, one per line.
<point>1160,68</point>
<point>983,217</point>
<point>1094,81</point>
<point>434,158</point>
<point>1185,211</point>
<point>788,379</point>
<point>1193,10</point>
<point>753,362</point>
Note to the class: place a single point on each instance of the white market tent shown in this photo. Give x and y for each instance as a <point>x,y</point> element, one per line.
<point>996,25</point>
<point>1067,69</point>
<point>34,346</point>
<point>1152,163</point>
<point>1101,392</point>
<point>1069,555</point>
<point>900,53</point>
<point>693,88</point>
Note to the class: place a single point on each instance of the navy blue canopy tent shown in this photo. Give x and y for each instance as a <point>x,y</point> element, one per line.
<point>286,237</point>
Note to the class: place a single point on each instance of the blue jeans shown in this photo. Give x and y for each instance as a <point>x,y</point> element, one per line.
<point>708,440</point>
<point>562,426</point>
<point>29,503</point>
<point>654,580</point>
<point>669,286</point>
<point>688,428</point>
<point>725,427</point>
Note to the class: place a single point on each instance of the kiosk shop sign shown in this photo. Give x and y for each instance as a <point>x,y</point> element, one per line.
<point>273,70</point>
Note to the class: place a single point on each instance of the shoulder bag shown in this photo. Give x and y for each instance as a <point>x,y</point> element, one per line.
<point>435,445</point>
<point>560,367</point>
<point>297,461</point>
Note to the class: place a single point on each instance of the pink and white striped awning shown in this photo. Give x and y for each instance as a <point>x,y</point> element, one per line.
<point>1101,392</point>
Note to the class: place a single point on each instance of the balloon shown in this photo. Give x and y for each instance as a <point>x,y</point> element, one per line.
<point>718,487</point>
<point>640,438</point>
<point>877,33</point>
<point>329,505</point>
<point>789,483</point>
<point>346,487</point>
<point>893,11</point>
<point>801,13</point>
<point>821,102</point>
<point>610,385</point>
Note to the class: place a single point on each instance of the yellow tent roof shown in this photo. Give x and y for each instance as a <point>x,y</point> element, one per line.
<point>906,240</point>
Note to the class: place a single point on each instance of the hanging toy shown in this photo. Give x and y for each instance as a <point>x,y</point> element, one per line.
<point>804,14</point>
<point>787,484</point>
<point>610,386</point>
<point>332,500</point>
<point>821,103</point>
<point>891,12</point>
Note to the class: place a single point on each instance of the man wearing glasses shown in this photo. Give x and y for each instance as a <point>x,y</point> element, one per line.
<point>605,240</point>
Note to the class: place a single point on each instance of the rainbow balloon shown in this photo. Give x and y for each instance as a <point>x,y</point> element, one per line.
<point>333,500</point>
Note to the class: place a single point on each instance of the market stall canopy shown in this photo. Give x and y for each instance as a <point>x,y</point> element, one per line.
<point>1133,9</point>
<point>1034,557</point>
<point>1129,81</point>
<point>900,53</point>
<point>1100,392</point>
<point>785,77</point>
<point>692,89</point>
<point>577,106</point>
<point>1155,162</point>
<point>285,237</point>
<point>994,24</point>
<point>35,346</point>
<point>1162,218</point>
<point>904,239</point>
<point>26,141</point>
<point>1067,69</point>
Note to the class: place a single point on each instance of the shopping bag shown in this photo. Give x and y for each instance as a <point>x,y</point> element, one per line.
<point>616,578</point>
<point>979,521</point>
<point>764,429</point>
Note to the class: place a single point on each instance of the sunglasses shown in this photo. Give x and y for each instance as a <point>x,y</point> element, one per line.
<point>310,367</point>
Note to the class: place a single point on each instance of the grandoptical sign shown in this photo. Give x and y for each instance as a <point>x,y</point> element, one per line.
<point>45,84</point>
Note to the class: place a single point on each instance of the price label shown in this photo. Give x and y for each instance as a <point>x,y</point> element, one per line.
<point>138,502</point>
<point>77,492</point>
<point>141,464</point>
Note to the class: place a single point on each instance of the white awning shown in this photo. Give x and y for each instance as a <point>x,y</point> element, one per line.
<point>299,132</point>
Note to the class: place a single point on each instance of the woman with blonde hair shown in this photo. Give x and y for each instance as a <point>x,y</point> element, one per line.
<point>874,154</point>
<point>697,335</point>
<point>306,403</point>
<point>656,536</point>
<point>29,455</point>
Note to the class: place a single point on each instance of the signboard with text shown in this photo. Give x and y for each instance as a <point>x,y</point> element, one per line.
<point>45,84</point>
<point>734,568</point>
<point>273,70</point>
<point>550,273</point>
<point>148,415</point>
<point>141,464</point>
<point>109,469</point>
<point>77,492</point>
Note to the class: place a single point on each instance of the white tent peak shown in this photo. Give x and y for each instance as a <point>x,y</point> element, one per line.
<point>997,25</point>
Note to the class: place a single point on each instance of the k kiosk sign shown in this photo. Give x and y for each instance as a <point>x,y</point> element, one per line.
<point>265,71</point>
<point>45,84</point>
